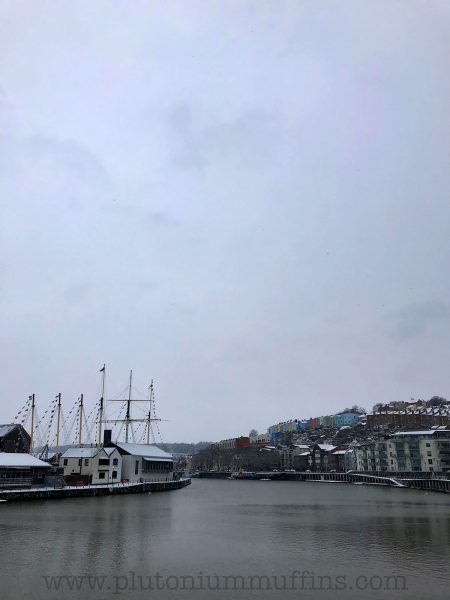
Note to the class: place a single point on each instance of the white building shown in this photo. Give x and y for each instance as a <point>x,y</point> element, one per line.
<point>142,462</point>
<point>92,465</point>
<point>77,461</point>
<point>107,466</point>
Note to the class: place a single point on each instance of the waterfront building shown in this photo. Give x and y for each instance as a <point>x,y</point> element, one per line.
<point>77,464</point>
<point>19,470</point>
<point>319,457</point>
<point>407,451</point>
<point>144,462</point>
<point>336,460</point>
<point>14,438</point>
<point>107,466</point>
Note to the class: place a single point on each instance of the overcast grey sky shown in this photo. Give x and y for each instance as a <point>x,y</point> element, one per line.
<point>246,201</point>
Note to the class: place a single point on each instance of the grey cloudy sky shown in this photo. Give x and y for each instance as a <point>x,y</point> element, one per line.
<point>247,201</point>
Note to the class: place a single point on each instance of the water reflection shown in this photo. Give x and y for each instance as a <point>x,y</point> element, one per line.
<point>221,527</point>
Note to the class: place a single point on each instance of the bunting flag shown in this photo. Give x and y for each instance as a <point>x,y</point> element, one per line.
<point>102,369</point>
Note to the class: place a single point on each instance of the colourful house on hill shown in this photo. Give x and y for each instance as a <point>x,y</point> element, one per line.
<point>347,418</point>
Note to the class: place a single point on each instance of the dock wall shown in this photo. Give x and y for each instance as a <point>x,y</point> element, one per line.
<point>48,493</point>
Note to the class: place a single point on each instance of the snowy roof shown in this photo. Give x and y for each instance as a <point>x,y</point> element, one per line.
<point>305,453</point>
<point>5,429</point>
<point>420,432</point>
<point>80,453</point>
<point>340,452</point>
<point>18,459</point>
<point>301,445</point>
<point>144,450</point>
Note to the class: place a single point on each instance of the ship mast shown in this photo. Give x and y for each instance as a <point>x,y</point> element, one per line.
<point>129,420</point>
<point>128,415</point>
<point>58,422</point>
<point>149,419</point>
<point>33,409</point>
<point>81,422</point>
<point>100,413</point>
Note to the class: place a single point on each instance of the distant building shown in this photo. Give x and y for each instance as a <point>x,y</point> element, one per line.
<point>239,442</point>
<point>14,438</point>
<point>260,438</point>
<point>416,417</point>
<point>20,470</point>
<point>407,451</point>
<point>346,418</point>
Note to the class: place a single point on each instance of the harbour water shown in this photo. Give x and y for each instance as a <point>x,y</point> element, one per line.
<point>246,539</point>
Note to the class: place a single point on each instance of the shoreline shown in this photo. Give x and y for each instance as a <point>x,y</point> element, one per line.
<point>49,493</point>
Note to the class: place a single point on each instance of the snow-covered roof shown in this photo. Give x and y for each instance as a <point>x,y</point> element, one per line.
<point>80,453</point>
<point>5,429</point>
<point>144,450</point>
<point>340,452</point>
<point>326,447</point>
<point>18,459</point>
<point>301,445</point>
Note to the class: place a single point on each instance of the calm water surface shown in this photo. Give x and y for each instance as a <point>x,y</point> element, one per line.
<point>230,534</point>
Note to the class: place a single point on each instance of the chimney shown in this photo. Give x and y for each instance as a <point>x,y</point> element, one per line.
<point>107,436</point>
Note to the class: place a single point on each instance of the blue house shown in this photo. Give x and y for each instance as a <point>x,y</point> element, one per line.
<point>347,418</point>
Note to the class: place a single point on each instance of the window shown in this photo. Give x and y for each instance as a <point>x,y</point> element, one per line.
<point>136,468</point>
<point>86,462</point>
<point>114,474</point>
<point>79,462</point>
<point>115,461</point>
<point>101,475</point>
<point>430,461</point>
<point>103,462</point>
<point>65,462</point>
<point>428,453</point>
<point>428,445</point>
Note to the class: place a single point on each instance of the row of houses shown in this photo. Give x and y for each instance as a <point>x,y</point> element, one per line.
<point>346,418</point>
<point>276,432</point>
<point>414,417</point>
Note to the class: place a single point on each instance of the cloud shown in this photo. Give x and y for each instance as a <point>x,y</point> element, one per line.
<point>248,138</point>
<point>416,319</point>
